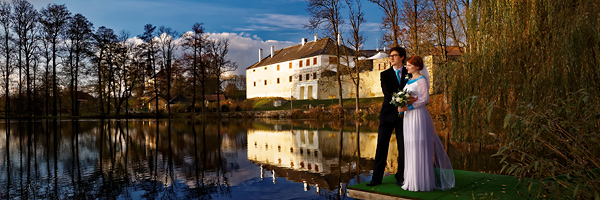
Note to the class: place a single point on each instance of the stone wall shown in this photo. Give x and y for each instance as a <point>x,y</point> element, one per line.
<point>369,86</point>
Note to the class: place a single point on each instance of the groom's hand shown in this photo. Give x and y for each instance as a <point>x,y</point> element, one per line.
<point>412,99</point>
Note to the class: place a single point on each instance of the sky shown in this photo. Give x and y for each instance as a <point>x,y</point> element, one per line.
<point>249,24</point>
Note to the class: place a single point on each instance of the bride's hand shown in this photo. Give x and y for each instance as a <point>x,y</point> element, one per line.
<point>402,109</point>
<point>412,99</point>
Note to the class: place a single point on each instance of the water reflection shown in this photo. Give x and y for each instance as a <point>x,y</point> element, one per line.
<point>151,159</point>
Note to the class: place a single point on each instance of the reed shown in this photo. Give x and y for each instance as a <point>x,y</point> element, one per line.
<point>529,81</point>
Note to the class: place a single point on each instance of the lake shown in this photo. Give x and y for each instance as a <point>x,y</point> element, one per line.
<point>178,159</point>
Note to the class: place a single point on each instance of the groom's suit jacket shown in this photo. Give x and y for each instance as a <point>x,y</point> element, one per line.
<point>389,85</point>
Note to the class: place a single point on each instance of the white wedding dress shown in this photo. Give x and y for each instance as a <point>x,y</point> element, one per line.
<point>426,164</point>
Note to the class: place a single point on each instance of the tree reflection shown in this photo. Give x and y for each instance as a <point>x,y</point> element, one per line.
<point>154,159</point>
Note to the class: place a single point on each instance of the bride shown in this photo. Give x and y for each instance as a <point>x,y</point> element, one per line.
<point>427,166</point>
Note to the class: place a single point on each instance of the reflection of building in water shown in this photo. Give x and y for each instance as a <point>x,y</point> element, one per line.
<point>311,155</point>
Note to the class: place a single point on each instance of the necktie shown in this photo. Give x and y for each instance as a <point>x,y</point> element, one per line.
<point>400,76</point>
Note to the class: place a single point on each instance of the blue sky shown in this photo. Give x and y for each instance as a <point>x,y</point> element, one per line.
<point>249,24</point>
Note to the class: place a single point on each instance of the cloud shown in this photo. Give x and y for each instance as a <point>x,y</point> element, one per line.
<point>243,48</point>
<point>274,22</point>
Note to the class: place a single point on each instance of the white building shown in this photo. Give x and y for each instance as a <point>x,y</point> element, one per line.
<point>292,72</point>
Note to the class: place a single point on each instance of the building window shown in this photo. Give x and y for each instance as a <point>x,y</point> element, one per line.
<point>314,75</point>
<point>265,82</point>
<point>290,79</point>
<point>253,70</point>
<point>265,68</point>
<point>379,66</point>
<point>307,78</point>
<point>277,80</point>
<point>300,63</point>
<point>290,65</point>
<point>254,83</point>
<point>315,61</point>
<point>307,62</point>
<point>277,67</point>
<point>300,77</point>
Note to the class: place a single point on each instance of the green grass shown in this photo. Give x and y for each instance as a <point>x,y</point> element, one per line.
<point>468,185</point>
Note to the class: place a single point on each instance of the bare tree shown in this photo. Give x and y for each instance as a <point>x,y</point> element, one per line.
<point>196,41</point>
<point>79,35</point>
<point>151,49</point>
<point>103,38</point>
<point>459,10</point>
<point>127,69</point>
<point>167,47</point>
<point>390,21</point>
<point>25,21</point>
<point>218,49</point>
<point>415,16</point>
<point>325,15</point>
<point>53,19</point>
<point>6,23</point>
<point>357,38</point>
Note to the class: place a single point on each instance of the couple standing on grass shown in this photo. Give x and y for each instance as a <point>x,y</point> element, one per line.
<point>423,165</point>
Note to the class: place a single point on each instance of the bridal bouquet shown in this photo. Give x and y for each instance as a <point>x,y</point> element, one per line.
<point>400,99</point>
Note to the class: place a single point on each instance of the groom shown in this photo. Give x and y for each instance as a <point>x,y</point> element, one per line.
<point>392,80</point>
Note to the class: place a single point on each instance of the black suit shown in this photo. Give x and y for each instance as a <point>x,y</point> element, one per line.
<point>388,121</point>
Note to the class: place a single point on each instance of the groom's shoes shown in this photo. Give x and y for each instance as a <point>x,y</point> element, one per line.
<point>373,183</point>
<point>399,182</point>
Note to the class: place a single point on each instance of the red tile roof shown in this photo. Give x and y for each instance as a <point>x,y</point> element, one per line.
<point>320,47</point>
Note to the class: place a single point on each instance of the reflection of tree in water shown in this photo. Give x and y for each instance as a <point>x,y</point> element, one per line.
<point>113,159</point>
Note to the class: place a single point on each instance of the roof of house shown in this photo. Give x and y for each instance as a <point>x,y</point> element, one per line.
<point>213,97</point>
<point>179,99</point>
<point>84,96</point>
<point>452,51</point>
<point>313,48</point>
<point>369,52</point>
<point>159,96</point>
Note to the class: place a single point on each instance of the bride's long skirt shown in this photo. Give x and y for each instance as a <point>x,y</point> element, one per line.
<point>427,166</point>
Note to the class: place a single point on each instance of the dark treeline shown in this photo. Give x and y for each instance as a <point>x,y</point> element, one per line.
<point>54,63</point>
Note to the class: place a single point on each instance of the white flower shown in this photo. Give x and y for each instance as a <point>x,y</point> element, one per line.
<point>397,99</point>
<point>407,95</point>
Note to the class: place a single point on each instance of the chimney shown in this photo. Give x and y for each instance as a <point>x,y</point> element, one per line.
<point>339,39</point>
<point>316,37</point>
<point>272,50</point>
<point>384,50</point>
<point>304,40</point>
<point>260,57</point>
